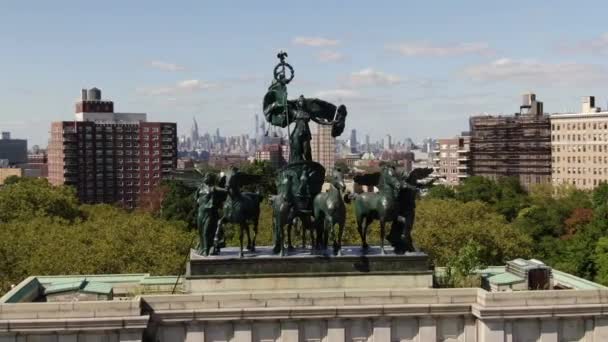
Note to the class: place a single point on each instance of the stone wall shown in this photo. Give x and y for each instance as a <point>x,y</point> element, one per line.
<point>381,316</point>
<point>378,315</point>
<point>109,321</point>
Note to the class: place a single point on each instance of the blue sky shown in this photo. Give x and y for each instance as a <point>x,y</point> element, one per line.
<point>407,68</point>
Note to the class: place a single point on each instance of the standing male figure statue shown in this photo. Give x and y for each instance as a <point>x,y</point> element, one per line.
<point>208,199</point>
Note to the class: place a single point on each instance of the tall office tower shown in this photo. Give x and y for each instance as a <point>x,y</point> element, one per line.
<point>517,145</point>
<point>323,147</point>
<point>194,134</point>
<point>257,128</point>
<point>451,159</point>
<point>353,141</point>
<point>388,142</point>
<point>367,145</point>
<point>110,157</point>
<point>579,146</point>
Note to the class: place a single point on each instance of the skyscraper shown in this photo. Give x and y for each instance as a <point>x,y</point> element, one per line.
<point>388,142</point>
<point>194,135</point>
<point>107,156</point>
<point>353,141</point>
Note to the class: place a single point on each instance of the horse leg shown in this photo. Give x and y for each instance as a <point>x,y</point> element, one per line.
<point>255,234</point>
<point>366,224</point>
<point>382,237</point>
<point>248,236</point>
<point>217,236</point>
<point>332,233</point>
<point>339,244</point>
<point>304,237</point>
<point>282,240</point>
<point>241,233</point>
<point>281,228</point>
<point>289,231</point>
<point>360,224</point>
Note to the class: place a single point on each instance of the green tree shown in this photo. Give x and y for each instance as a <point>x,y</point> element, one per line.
<point>443,227</point>
<point>599,196</point>
<point>441,191</point>
<point>505,195</point>
<point>478,188</point>
<point>178,203</point>
<point>106,240</point>
<point>462,268</point>
<point>12,180</point>
<point>267,185</point>
<point>601,260</point>
<point>31,197</point>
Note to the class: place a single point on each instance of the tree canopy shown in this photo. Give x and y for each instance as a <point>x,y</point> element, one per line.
<point>45,231</point>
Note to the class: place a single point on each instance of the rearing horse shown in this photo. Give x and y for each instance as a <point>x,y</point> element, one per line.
<point>240,208</point>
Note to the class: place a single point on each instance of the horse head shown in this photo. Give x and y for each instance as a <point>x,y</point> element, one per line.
<point>390,181</point>
<point>284,185</point>
<point>337,180</point>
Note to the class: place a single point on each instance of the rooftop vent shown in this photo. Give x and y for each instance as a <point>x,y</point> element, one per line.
<point>536,273</point>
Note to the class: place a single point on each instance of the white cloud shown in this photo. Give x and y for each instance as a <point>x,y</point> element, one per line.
<point>411,49</point>
<point>315,41</point>
<point>330,56</point>
<point>371,77</point>
<point>181,87</point>
<point>339,94</point>
<point>165,66</point>
<point>598,46</point>
<point>530,71</point>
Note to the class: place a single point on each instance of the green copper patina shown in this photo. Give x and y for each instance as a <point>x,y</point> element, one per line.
<point>394,202</point>
<point>209,199</point>
<point>297,185</point>
<point>329,211</point>
<point>301,180</point>
<point>400,235</point>
<point>279,111</point>
<point>241,208</point>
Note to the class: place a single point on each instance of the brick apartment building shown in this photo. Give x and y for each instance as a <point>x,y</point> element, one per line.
<point>451,159</point>
<point>274,154</point>
<point>517,145</point>
<point>110,157</point>
<point>323,147</point>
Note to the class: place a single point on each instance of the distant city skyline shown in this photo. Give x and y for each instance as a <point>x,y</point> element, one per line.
<point>398,72</point>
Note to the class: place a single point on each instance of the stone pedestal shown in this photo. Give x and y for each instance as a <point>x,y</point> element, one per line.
<point>302,270</point>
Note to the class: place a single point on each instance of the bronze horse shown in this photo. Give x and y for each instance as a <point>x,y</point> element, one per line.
<point>329,211</point>
<point>391,203</point>
<point>240,208</point>
<point>297,185</point>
